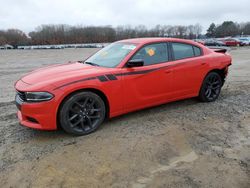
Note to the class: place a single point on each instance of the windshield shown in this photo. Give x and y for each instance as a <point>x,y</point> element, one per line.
<point>111,55</point>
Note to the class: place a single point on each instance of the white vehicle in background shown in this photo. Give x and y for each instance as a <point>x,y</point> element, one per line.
<point>244,41</point>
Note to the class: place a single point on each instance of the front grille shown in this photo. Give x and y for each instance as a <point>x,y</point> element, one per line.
<point>21,95</point>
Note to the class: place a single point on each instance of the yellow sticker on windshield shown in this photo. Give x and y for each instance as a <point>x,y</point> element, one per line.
<point>150,52</point>
<point>104,54</point>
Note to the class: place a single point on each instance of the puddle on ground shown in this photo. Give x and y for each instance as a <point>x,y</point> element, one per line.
<point>143,181</point>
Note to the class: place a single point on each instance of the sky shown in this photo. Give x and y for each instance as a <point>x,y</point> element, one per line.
<point>28,14</point>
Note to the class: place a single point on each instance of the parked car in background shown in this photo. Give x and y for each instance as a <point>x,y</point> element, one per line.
<point>213,42</point>
<point>232,42</point>
<point>245,41</point>
<point>6,47</point>
<point>200,41</point>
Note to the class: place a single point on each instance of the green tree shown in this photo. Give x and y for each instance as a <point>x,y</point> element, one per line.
<point>211,30</point>
<point>246,29</point>
<point>227,28</point>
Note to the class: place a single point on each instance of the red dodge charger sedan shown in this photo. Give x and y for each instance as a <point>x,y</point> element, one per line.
<point>125,76</point>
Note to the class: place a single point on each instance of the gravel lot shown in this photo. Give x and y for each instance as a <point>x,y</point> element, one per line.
<point>181,144</point>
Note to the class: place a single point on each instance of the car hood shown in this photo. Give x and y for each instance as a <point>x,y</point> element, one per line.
<point>53,74</point>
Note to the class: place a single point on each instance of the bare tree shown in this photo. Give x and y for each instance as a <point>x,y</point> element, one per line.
<point>65,34</point>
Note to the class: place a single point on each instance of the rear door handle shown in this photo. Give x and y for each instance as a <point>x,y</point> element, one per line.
<point>203,63</point>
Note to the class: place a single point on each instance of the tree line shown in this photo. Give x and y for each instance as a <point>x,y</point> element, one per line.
<point>65,34</point>
<point>14,37</point>
<point>228,28</point>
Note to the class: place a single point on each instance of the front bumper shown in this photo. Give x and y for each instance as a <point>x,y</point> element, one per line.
<point>40,115</point>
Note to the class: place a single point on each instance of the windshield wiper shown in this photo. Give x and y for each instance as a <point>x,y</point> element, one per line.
<point>90,63</point>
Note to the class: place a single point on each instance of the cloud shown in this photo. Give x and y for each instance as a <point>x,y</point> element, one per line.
<point>28,14</point>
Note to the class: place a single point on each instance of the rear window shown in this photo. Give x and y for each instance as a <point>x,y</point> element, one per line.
<point>197,51</point>
<point>182,51</point>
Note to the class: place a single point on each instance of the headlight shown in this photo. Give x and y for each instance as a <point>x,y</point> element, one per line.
<point>38,96</point>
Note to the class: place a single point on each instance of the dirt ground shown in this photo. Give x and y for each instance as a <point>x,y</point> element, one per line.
<point>181,144</point>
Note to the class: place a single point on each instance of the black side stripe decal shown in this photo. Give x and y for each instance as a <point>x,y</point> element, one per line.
<point>136,72</point>
<point>107,77</point>
<point>82,80</point>
<point>102,78</point>
<point>111,77</point>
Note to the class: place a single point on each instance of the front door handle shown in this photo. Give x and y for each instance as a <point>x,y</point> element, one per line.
<point>168,71</point>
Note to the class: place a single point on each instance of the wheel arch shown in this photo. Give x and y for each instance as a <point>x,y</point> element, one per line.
<point>222,72</point>
<point>94,90</point>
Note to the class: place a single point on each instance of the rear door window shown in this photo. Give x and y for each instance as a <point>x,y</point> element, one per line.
<point>182,51</point>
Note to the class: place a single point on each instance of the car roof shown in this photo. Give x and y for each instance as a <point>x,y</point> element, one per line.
<point>155,39</point>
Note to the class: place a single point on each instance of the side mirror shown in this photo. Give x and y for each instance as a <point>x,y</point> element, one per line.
<point>135,63</point>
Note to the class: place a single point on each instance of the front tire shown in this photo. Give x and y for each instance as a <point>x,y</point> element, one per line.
<point>211,87</point>
<point>82,113</point>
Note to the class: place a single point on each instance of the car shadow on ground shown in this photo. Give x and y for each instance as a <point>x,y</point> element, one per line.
<point>60,134</point>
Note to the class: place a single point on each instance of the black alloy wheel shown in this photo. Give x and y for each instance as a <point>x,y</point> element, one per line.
<point>211,87</point>
<point>82,113</point>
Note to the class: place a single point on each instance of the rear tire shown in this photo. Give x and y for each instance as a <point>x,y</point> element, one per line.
<point>211,87</point>
<point>82,113</point>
